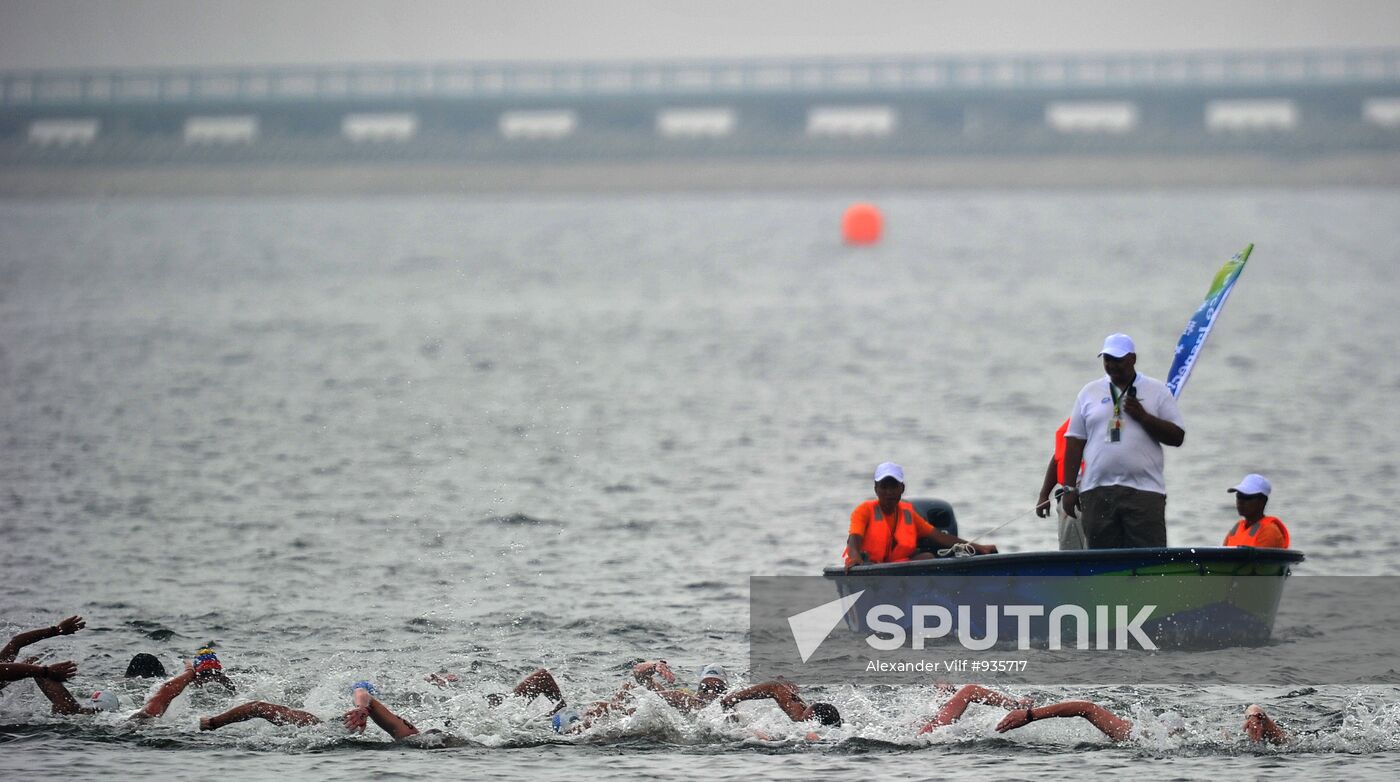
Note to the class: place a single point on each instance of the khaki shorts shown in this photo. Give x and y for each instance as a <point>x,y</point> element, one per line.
<point>1071,530</point>
<point>1123,517</point>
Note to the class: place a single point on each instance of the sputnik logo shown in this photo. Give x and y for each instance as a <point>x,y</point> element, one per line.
<point>810,628</point>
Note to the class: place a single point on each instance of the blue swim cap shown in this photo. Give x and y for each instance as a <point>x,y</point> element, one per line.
<point>564,720</point>
<point>366,686</point>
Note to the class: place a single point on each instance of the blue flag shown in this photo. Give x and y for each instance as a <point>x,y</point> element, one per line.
<point>1199,326</point>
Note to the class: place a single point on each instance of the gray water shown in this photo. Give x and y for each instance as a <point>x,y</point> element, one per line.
<point>377,438</point>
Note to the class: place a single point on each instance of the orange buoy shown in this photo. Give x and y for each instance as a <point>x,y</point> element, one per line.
<point>861,224</point>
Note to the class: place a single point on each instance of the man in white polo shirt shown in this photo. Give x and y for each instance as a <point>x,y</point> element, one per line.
<point>1118,425</point>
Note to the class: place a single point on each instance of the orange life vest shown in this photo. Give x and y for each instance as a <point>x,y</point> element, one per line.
<point>1060,453</point>
<point>1241,534</point>
<point>880,545</point>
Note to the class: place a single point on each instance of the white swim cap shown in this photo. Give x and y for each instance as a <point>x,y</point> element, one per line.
<point>713,671</point>
<point>104,700</point>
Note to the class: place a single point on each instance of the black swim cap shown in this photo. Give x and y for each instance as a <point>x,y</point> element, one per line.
<point>826,714</point>
<point>145,666</point>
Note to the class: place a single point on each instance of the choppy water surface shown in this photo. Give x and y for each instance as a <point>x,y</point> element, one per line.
<point>372,439</point>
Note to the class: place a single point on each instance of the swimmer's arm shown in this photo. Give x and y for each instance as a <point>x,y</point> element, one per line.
<point>645,674</point>
<point>168,691</point>
<point>11,649</point>
<point>1112,726</point>
<point>600,708</point>
<point>540,682</point>
<point>275,713</point>
<point>59,672</point>
<point>61,699</point>
<point>388,721</point>
<point>66,627</point>
<point>979,694</point>
<point>443,679</point>
<point>968,694</point>
<point>1273,733</point>
<point>683,701</point>
<point>782,694</point>
<point>1259,726</point>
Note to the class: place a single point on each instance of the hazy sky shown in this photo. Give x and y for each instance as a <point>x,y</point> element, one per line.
<point>68,33</point>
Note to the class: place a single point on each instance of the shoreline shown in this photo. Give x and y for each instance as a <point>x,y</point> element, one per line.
<point>1380,170</point>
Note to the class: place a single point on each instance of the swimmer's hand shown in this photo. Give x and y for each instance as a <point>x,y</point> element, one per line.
<point>441,679</point>
<point>1013,720</point>
<point>644,671</point>
<point>70,625</point>
<point>356,719</point>
<point>61,672</point>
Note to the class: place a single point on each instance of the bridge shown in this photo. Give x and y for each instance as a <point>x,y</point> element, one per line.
<point>1306,101</point>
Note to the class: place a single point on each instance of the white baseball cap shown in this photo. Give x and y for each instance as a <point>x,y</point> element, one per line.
<point>1117,346</point>
<point>1253,483</point>
<point>889,470</point>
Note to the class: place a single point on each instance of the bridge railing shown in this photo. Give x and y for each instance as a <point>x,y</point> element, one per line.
<point>796,76</point>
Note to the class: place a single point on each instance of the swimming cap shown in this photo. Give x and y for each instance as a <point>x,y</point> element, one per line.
<point>206,662</point>
<point>104,700</point>
<point>145,666</point>
<point>564,719</point>
<point>366,686</point>
<point>713,671</point>
<point>826,714</point>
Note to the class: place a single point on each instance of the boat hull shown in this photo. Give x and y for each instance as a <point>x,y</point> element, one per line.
<point>1177,597</point>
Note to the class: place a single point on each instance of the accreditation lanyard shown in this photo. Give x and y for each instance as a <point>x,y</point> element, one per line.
<point>1115,427</point>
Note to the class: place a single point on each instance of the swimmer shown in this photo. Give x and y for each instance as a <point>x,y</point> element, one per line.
<point>784,694</point>
<point>50,678</point>
<point>63,701</point>
<point>542,682</point>
<point>367,707</point>
<point>712,682</point>
<point>654,675</point>
<point>562,718</point>
<point>1258,726</point>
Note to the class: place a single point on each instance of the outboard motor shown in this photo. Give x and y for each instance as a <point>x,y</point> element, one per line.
<point>939,513</point>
